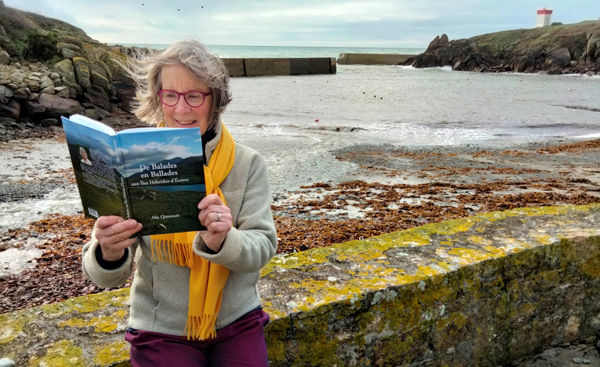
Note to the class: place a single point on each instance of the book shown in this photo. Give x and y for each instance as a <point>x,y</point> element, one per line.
<point>153,175</point>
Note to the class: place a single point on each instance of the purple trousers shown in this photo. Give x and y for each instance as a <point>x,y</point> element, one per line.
<point>239,344</point>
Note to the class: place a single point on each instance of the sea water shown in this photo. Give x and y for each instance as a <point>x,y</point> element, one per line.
<point>296,122</point>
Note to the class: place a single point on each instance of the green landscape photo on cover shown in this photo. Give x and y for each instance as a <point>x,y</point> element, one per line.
<point>164,171</point>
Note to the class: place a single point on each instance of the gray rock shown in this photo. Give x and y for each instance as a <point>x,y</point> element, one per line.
<point>57,106</point>
<point>7,362</point>
<point>67,71</point>
<point>69,54</point>
<point>5,94</point>
<point>49,122</point>
<point>48,90</point>
<point>35,66</point>
<point>46,82</point>
<point>12,110</point>
<point>4,57</point>
<point>54,75</point>
<point>82,72</point>
<point>32,109</point>
<point>62,91</point>
<point>33,85</point>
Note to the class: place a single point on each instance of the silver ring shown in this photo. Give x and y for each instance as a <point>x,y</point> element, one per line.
<point>218,217</point>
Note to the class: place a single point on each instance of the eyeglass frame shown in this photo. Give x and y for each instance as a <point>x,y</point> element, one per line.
<point>204,94</point>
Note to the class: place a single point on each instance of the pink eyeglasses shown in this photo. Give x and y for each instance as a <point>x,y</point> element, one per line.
<point>193,98</point>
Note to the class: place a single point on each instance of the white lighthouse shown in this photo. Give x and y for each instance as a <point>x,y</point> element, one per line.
<point>543,17</point>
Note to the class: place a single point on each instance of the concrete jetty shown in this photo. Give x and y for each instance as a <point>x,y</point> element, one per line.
<point>238,67</point>
<point>372,59</point>
<point>486,290</point>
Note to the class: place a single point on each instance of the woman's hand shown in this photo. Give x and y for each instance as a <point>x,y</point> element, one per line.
<point>113,234</point>
<point>216,217</point>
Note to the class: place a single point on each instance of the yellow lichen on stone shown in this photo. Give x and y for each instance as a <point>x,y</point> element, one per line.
<point>470,256</point>
<point>11,326</point>
<point>543,239</point>
<point>112,353</point>
<point>479,240</point>
<point>90,303</point>
<point>102,324</point>
<point>63,353</point>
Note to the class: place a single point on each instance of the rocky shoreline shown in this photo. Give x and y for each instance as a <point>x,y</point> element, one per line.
<point>558,49</point>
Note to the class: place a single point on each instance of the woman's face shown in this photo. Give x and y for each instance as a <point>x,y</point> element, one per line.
<point>180,79</point>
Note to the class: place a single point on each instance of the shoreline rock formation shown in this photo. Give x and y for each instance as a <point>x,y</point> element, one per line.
<point>558,49</point>
<point>49,68</point>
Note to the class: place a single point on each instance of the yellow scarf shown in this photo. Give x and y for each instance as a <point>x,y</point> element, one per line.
<point>207,279</point>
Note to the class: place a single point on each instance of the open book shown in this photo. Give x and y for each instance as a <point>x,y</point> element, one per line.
<point>153,175</point>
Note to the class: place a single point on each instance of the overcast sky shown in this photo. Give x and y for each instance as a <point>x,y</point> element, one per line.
<point>335,23</point>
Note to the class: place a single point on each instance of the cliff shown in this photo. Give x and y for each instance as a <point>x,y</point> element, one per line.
<point>49,68</point>
<point>558,49</point>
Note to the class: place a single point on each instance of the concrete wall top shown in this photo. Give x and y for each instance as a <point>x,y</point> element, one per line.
<point>478,291</point>
<point>372,59</point>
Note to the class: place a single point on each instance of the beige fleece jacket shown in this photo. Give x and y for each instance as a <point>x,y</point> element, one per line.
<point>159,293</point>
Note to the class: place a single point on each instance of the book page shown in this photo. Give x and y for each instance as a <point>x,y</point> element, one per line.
<point>93,124</point>
<point>164,171</point>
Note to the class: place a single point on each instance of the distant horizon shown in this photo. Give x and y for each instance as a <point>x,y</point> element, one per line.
<point>223,45</point>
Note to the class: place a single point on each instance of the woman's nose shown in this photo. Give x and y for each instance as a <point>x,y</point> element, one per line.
<point>182,105</point>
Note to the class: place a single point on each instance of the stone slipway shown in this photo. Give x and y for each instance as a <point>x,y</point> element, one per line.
<point>479,291</point>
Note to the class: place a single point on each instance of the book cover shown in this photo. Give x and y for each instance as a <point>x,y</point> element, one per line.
<point>153,175</point>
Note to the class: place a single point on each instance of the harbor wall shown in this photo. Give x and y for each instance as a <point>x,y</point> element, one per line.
<point>239,67</point>
<point>485,290</point>
<point>372,59</point>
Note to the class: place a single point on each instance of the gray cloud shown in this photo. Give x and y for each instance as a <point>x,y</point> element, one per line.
<point>375,23</point>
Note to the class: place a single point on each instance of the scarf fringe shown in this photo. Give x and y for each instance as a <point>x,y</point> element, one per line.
<point>201,327</point>
<point>180,254</point>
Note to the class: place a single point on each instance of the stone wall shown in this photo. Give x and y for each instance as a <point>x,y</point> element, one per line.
<point>479,291</point>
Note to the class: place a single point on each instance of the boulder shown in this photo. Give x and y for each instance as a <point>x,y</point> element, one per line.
<point>99,77</point>
<point>69,54</point>
<point>126,93</point>
<point>67,71</point>
<point>46,82</point>
<point>559,58</point>
<point>98,97</point>
<point>433,45</point>
<point>33,85</point>
<point>443,40</point>
<point>48,90</point>
<point>5,94</point>
<point>57,106</point>
<point>62,91</point>
<point>82,72</point>
<point>12,109</point>
<point>4,57</point>
<point>32,109</point>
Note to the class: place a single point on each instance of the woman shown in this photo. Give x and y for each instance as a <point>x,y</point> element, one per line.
<point>206,310</point>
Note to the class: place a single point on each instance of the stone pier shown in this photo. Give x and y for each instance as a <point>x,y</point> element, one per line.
<point>479,291</point>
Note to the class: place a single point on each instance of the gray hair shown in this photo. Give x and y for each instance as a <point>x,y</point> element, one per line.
<point>145,69</point>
